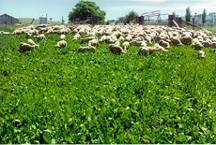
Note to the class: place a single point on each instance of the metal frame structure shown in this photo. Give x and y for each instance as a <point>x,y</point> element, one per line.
<point>156,13</point>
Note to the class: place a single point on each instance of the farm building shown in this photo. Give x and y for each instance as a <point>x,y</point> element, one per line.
<point>8,20</point>
<point>43,20</point>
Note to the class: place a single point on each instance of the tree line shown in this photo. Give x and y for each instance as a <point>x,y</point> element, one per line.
<point>188,15</point>
<point>84,10</point>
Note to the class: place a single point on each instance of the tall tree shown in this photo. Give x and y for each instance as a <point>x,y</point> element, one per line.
<point>130,16</point>
<point>204,16</point>
<point>188,14</point>
<point>84,10</point>
<point>174,15</point>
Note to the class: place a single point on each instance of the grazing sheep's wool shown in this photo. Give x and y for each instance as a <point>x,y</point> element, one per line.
<point>62,37</point>
<point>126,45</point>
<point>87,48</point>
<point>93,42</point>
<point>201,54</point>
<point>116,49</point>
<point>61,43</point>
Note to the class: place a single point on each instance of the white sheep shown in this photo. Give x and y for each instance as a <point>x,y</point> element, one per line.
<point>26,47</point>
<point>32,43</point>
<point>61,43</point>
<point>186,40</point>
<point>128,38</point>
<point>126,45</point>
<point>121,38</point>
<point>159,48</point>
<point>201,54</point>
<point>207,43</point>
<point>62,37</point>
<point>87,39</point>
<point>93,42</point>
<point>117,43</point>
<point>164,44</point>
<point>87,48</point>
<point>197,44</point>
<point>176,41</point>
<point>103,39</point>
<point>144,51</point>
<point>116,49</point>
<point>40,37</point>
<point>109,39</point>
<point>143,44</point>
<point>213,45</point>
<point>77,36</point>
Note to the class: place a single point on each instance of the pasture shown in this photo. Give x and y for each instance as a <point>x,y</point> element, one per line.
<point>56,95</point>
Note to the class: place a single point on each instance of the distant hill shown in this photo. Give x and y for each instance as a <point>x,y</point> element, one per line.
<point>35,22</point>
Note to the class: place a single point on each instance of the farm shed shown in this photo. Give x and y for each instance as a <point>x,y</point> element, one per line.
<point>8,20</point>
<point>43,20</point>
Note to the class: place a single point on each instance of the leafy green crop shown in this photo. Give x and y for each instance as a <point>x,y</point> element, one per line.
<point>53,95</point>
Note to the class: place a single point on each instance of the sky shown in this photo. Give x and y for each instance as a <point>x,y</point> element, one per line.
<point>55,9</point>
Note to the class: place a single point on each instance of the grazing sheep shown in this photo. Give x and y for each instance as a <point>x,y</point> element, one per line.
<point>148,39</point>
<point>197,44</point>
<point>201,54</point>
<point>87,39</point>
<point>207,43</point>
<point>103,39</point>
<point>26,47</point>
<point>159,48</point>
<point>186,40</point>
<point>109,39</point>
<point>126,45</point>
<point>121,38</point>
<point>164,44</point>
<point>213,45</point>
<point>143,44</point>
<point>4,33</point>
<point>32,43</point>
<point>93,42</point>
<point>64,31</point>
<point>128,38</point>
<point>28,34</point>
<point>40,37</point>
<point>117,43</point>
<point>49,31</point>
<point>77,36</point>
<point>62,37</point>
<point>87,48</point>
<point>136,43</point>
<point>61,43</point>
<point>116,49</point>
<point>17,32</point>
<point>176,41</point>
<point>144,51</point>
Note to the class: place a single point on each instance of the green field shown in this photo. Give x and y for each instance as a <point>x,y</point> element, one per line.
<point>53,95</point>
<point>27,21</point>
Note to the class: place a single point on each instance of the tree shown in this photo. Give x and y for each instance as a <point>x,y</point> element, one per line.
<point>188,14</point>
<point>84,10</point>
<point>130,16</point>
<point>204,16</point>
<point>174,15</point>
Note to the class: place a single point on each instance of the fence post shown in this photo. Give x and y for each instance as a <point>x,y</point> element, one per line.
<point>95,20</point>
<point>170,21</point>
<point>141,20</point>
<point>193,22</point>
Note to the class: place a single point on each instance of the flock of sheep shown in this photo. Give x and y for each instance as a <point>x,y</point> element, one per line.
<point>138,35</point>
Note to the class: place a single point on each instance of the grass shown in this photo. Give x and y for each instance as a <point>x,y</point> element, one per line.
<point>27,21</point>
<point>53,95</point>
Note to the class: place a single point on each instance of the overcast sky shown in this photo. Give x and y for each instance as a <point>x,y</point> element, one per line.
<point>114,8</point>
